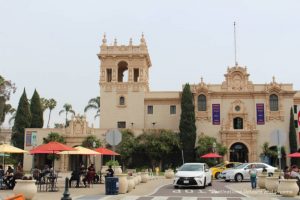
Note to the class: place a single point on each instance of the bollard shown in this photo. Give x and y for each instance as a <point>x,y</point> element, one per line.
<point>66,195</point>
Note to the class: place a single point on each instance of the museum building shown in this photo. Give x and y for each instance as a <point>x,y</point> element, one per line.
<point>242,115</point>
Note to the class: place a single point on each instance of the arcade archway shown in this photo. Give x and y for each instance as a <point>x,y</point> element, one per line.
<point>239,152</point>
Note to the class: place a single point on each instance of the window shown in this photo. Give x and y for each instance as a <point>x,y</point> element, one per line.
<point>296,123</point>
<point>150,110</point>
<point>201,102</point>
<point>122,71</point>
<point>136,75</point>
<point>238,123</point>
<point>295,109</point>
<point>172,109</point>
<point>122,101</point>
<point>273,102</point>
<point>121,124</point>
<point>108,75</point>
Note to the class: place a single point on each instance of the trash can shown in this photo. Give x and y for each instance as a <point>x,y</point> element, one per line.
<point>111,185</point>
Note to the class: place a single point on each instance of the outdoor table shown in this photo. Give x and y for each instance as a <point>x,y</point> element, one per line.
<point>51,182</point>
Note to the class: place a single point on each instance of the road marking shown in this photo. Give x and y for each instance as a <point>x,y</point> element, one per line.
<point>160,198</point>
<point>156,189</point>
<point>189,198</point>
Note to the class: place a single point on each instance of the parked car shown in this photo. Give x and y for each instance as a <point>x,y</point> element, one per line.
<point>218,169</point>
<point>241,172</point>
<point>193,174</point>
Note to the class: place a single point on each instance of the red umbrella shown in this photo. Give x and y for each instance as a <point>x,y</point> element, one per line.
<point>51,148</point>
<point>211,155</point>
<point>294,155</point>
<point>105,151</point>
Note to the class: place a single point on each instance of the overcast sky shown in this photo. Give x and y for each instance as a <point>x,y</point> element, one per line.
<point>52,45</point>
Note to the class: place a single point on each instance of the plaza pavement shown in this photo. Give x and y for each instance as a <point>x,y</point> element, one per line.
<point>143,189</point>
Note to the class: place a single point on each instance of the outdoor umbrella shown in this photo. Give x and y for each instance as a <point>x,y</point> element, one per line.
<point>211,155</point>
<point>294,155</point>
<point>51,148</point>
<point>105,151</point>
<point>6,148</point>
<point>80,151</point>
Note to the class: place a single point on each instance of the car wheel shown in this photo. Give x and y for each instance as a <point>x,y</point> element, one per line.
<point>210,184</point>
<point>176,187</point>
<point>217,175</point>
<point>204,185</point>
<point>227,180</point>
<point>270,174</point>
<point>238,178</point>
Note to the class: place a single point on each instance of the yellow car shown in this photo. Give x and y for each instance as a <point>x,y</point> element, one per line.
<point>217,170</point>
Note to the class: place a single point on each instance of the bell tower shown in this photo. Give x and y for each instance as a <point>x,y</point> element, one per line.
<point>124,80</point>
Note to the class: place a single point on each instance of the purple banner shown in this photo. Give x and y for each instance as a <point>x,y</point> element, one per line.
<point>216,114</point>
<point>260,113</point>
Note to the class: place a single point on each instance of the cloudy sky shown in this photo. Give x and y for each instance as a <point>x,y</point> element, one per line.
<point>52,45</point>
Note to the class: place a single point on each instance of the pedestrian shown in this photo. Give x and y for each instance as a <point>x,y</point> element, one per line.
<point>110,172</point>
<point>253,174</point>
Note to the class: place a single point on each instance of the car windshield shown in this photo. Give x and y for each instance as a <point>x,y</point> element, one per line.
<point>220,165</point>
<point>237,165</point>
<point>241,166</point>
<point>191,168</point>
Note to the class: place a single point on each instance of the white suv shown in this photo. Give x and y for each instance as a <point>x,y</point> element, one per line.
<point>241,172</point>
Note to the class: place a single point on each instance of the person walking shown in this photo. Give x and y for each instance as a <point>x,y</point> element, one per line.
<point>253,174</point>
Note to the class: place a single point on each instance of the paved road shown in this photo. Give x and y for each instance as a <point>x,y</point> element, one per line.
<point>216,192</point>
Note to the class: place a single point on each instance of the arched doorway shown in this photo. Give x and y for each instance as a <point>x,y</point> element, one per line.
<point>238,152</point>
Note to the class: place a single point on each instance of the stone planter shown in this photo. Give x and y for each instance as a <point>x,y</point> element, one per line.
<point>117,169</point>
<point>136,179</point>
<point>272,184</point>
<point>169,174</point>
<point>25,187</point>
<point>145,177</point>
<point>103,169</point>
<point>288,187</point>
<point>261,181</point>
<point>139,177</point>
<point>123,183</point>
<point>131,184</point>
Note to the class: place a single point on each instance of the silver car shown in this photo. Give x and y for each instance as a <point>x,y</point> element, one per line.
<point>241,172</point>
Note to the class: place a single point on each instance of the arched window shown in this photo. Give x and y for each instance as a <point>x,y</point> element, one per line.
<point>201,102</point>
<point>122,71</point>
<point>273,102</point>
<point>238,123</point>
<point>122,101</point>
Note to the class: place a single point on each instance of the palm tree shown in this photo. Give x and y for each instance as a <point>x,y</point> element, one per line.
<point>94,104</point>
<point>44,104</point>
<point>51,104</point>
<point>7,109</point>
<point>13,113</point>
<point>67,108</point>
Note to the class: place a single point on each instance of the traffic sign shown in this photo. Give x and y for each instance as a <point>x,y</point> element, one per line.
<point>278,137</point>
<point>113,137</point>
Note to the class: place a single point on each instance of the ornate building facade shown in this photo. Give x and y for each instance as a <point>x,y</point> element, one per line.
<point>240,114</point>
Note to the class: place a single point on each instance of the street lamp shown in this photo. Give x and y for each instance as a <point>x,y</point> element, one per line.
<point>94,146</point>
<point>214,147</point>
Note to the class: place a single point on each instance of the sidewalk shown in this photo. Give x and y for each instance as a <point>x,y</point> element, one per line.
<point>259,194</point>
<point>142,189</point>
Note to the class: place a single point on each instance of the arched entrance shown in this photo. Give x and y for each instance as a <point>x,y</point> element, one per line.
<point>238,152</point>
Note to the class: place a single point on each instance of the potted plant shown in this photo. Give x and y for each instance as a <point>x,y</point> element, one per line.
<point>26,186</point>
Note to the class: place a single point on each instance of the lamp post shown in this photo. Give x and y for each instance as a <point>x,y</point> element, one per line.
<point>214,150</point>
<point>94,146</point>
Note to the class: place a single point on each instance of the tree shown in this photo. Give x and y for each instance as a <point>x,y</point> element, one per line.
<point>127,147</point>
<point>292,137</point>
<point>158,145</point>
<point>51,104</point>
<point>6,87</point>
<point>94,104</point>
<point>22,121</point>
<point>67,109</point>
<point>7,109</point>
<point>53,137</point>
<point>37,120</point>
<point>13,112</point>
<point>89,140</point>
<point>44,104</point>
<point>187,125</point>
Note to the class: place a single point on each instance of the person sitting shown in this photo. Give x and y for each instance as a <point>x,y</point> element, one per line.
<point>110,171</point>
<point>90,175</point>
<point>19,172</point>
<point>286,173</point>
<point>1,176</point>
<point>36,173</point>
<point>75,176</point>
<point>295,174</point>
<point>9,179</point>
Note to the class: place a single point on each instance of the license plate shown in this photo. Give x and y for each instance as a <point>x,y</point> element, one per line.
<point>185,181</point>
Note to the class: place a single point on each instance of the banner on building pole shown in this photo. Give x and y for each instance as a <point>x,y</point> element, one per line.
<point>216,114</point>
<point>260,113</point>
